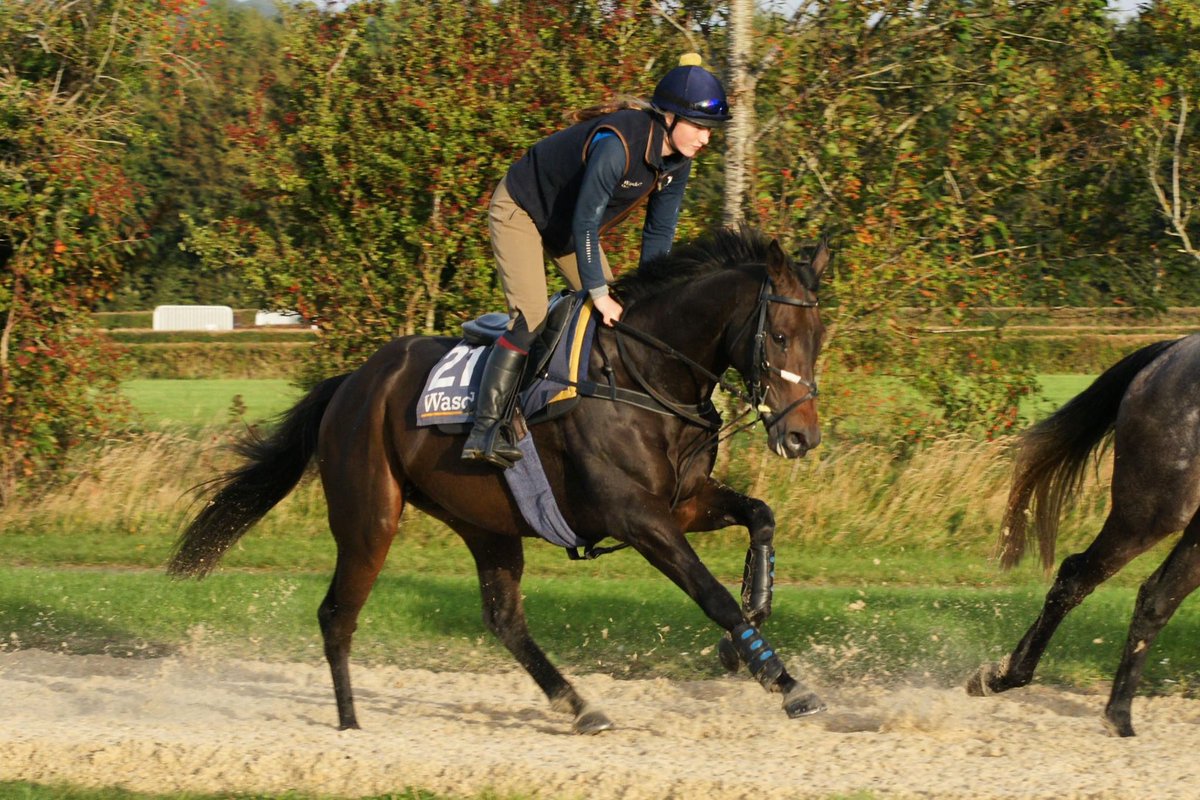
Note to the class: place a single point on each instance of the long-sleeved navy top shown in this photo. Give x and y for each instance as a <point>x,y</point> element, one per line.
<point>605,168</point>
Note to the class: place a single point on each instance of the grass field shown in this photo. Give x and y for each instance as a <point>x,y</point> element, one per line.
<point>198,403</point>
<point>194,404</point>
<point>883,571</point>
<point>1054,391</point>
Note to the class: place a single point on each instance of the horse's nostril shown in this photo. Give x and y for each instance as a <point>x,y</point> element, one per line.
<point>795,441</point>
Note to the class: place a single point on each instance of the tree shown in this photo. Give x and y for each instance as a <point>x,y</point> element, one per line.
<point>186,166</point>
<point>1159,98</point>
<point>930,135</point>
<point>68,76</point>
<point>739,149</point>
<point>373,163</point>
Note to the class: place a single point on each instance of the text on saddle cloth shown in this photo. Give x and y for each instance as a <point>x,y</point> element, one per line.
<point>449,394</point>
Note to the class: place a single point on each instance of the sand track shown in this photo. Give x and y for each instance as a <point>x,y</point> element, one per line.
<point>200,723</point>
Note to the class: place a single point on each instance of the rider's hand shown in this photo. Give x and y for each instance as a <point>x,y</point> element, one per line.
<point>608,309</point>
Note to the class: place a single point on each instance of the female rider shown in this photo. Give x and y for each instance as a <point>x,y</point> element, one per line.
<point>561,195</point>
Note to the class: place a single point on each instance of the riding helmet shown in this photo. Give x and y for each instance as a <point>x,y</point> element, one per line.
<point>692,92</point>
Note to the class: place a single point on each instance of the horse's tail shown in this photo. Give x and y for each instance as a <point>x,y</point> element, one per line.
<point>241,497</point>
<point>1052,456</point>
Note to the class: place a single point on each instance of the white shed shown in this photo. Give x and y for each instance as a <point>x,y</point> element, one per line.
<point>193,318</point>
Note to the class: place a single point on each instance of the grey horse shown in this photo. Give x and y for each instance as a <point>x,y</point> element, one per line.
<point>1148,403</point>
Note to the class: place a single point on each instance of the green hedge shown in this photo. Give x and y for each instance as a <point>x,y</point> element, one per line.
<point>1063,340</point>
<point>217,360</point>
<point>281,357</point>
<point>108,320</point>
<point>235,337</point>
<point>1112,319</point>
<point>1068,353</point>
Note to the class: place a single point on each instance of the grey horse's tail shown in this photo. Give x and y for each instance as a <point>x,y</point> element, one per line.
<point>1052,455</point>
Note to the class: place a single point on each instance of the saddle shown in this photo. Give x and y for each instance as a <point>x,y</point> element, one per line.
<point>485,329</point>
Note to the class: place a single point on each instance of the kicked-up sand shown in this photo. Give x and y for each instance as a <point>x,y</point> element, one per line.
<point>196,722</point>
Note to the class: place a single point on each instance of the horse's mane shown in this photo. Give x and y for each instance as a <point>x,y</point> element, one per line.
<point>721,249</point>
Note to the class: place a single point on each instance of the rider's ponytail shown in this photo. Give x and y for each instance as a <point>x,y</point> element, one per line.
<point>618,103</point>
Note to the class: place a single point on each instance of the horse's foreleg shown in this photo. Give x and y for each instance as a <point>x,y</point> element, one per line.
<point>1077,577</point>
<point>673,555</point>
<point>500,561</point>
<point>717,506</point>
<point>1158,599</point>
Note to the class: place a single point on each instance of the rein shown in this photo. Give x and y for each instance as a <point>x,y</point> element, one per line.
<point>754,397</point>
<point>658,344</point>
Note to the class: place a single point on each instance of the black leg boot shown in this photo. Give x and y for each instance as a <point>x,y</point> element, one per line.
<point>490,438</point>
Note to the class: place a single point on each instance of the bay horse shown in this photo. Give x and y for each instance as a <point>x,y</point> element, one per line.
<point>636,472</point>
<point>1149,402</point>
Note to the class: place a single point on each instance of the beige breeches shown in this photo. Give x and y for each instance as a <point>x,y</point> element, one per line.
<point>521,261</point>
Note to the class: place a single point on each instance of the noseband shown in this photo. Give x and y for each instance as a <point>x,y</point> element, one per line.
<point>759,365</point>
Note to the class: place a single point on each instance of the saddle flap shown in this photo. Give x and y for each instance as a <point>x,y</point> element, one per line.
<point>560,312</point>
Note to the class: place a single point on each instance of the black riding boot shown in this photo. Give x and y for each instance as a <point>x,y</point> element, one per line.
<point>491,437</point>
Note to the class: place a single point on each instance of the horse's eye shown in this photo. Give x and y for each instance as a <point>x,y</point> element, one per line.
<point>779,339</point>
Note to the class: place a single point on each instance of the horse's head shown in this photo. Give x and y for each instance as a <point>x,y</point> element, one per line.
<point>750,307</point>
<point>781,370</point>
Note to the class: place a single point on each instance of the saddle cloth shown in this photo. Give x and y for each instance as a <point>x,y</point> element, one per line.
<point>448,401</point>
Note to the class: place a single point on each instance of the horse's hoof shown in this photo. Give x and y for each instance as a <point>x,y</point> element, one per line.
<point>727,653</point>
<point>802,703</point>
<point>591,721</point>
<point>980,684</point>
<point>1119,727</point>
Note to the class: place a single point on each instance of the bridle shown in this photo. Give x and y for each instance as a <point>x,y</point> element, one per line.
<point>759,364</point>
<point>756,388</point>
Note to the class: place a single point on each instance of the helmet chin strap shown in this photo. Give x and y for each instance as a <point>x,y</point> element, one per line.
<point>671,133</point>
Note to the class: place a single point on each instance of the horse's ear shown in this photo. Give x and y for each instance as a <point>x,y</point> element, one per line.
<point>821,258</point>
<point>778,264</point>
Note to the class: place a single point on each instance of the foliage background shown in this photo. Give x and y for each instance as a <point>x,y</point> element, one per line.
<point>337,161</point>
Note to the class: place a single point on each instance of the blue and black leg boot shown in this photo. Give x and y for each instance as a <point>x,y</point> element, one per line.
<point>759,657</point>
<point>758,582</point>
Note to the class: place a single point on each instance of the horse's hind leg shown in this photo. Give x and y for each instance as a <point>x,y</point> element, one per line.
<point>1157,601</point>
<point>500,561</point>
<point>363,517</point>
<point>1078,575</point>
